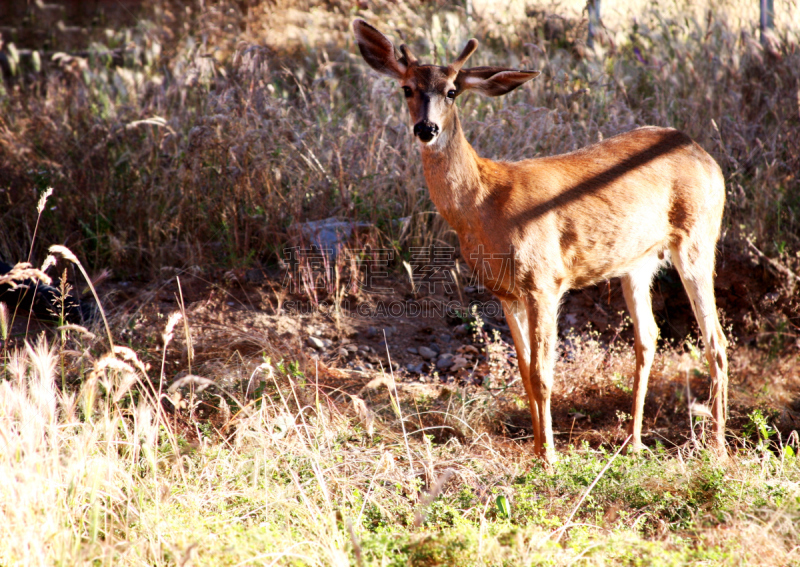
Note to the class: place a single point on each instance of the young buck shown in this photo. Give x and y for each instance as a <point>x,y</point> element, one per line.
<point>619,208</point>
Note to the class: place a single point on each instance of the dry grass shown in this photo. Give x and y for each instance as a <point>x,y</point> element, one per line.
<point>206,147</point>
<point>289,473</point>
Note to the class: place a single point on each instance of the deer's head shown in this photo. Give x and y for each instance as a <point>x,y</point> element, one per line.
<point>431,90</point>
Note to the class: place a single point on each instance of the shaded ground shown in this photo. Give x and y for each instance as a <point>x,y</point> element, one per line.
<point>249,316</point>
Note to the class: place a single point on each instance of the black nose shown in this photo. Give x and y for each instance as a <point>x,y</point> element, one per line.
<point>425,130</point>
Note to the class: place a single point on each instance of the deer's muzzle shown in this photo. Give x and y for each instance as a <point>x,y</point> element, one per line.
<point>426,130</point>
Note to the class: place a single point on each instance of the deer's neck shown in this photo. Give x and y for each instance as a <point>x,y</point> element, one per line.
<point>452,172</point>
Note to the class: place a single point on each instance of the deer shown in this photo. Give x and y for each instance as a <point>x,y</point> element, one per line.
<point>622,207</point>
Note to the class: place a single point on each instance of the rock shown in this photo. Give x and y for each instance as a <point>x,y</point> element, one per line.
<point>412,350</point>
<point>254,275</point>
<point>461,330</point>
<point>459,362</point>
<point>326,343</point>
<point>372,331</point>
<point>352,348</point>
<point>315,343</point>
<point>343,352</point>
<point>416,368</point>
<point>427,353</point>
<point>328,234</point>
<point>445,361</point>
<point>445,338</point>
<point>436,348</point>
<point>467,349</point>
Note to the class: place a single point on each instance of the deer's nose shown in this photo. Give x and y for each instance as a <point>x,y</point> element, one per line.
<point>426,130</point>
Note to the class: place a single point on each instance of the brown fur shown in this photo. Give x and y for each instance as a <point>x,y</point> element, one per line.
<point>613,209</point>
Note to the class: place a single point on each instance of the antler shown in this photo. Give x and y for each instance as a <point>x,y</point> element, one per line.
<point>469,49</point>
<point>409,57</point>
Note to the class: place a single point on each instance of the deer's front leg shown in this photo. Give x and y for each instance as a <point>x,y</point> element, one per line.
<point>517,318</point>
<point>542,321</point>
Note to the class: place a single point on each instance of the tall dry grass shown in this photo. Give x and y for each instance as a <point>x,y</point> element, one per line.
<point>226,126</point>
<point>291,474</point>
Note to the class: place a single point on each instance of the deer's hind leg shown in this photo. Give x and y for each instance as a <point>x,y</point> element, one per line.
<point>695,264</point>
<point>636,289</point>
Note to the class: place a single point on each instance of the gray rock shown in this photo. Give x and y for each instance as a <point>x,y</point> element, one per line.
<point>427,353</point>
<point>315,343</point>
<point>444,362</point>
<point>344,353</point>
<point>352,348</point>
<point>436,348</point>
<point>461,330</point>
<point>412,350</point>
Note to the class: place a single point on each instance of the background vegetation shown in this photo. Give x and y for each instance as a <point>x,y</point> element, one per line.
<point>195,135</point>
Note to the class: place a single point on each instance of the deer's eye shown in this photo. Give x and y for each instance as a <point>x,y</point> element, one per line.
<point>408,92</point>
<point>451,93</point>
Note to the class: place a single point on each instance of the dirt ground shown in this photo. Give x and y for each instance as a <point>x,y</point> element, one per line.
<point>238,318</point>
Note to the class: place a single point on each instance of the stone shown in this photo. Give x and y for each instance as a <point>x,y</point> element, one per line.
<point>412,350</point>
<point>459,362</point>
<point>444,362</point>
<point>344,353</point>
<point>427,353</point>
<point>436,348</point>
<point>315,343</point>
<point>461,330</point>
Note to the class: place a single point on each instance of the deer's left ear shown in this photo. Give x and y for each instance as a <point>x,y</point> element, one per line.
<point>377,50</point>
<point>493,81</point>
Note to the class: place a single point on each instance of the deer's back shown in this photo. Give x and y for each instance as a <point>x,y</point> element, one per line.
<point>594,213</point>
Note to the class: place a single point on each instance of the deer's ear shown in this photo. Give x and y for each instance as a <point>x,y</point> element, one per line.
<point>493,81</point>
<point>377,50</point>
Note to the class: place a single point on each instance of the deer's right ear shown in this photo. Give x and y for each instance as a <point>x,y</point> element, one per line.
<point>377,50</point>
